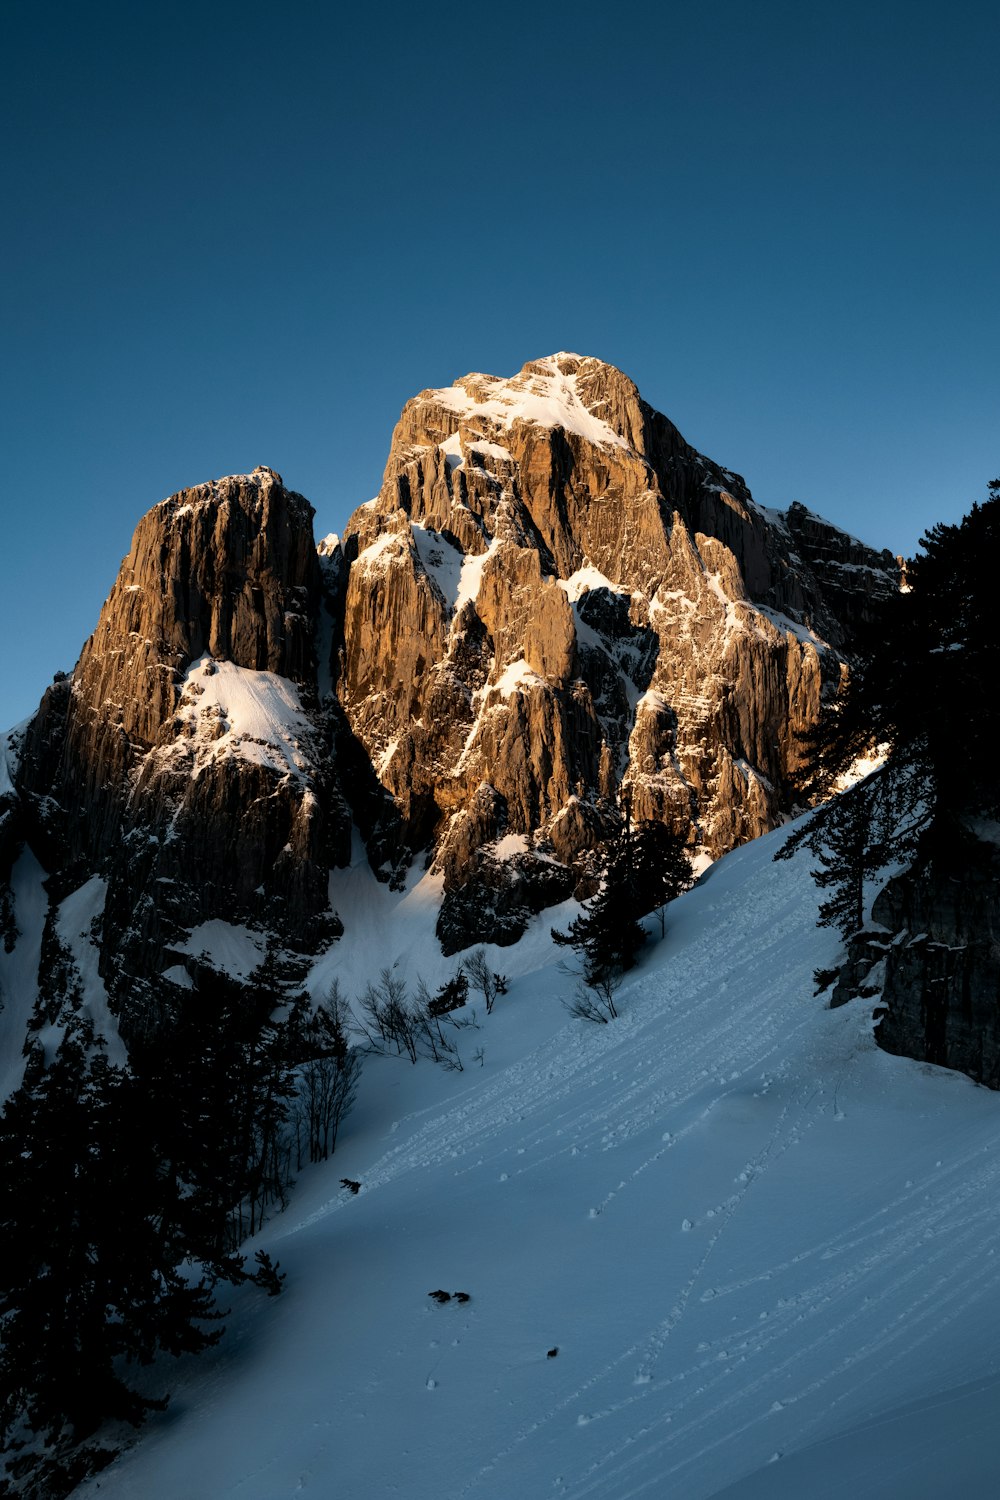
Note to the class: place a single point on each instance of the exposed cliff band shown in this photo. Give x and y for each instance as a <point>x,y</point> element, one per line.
<point>185,759</point>
<point>552,598</point>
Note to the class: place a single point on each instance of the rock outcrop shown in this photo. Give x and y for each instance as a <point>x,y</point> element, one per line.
<point>554,597</point>
<point>187,758</point>
<point>553,603</point>
<point>941,989</point>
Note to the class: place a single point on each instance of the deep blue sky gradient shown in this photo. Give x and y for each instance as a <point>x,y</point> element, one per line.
<point>247,233</point>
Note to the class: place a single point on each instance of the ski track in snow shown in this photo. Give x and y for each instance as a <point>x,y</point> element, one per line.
<point>747,1229</point>
<point>889,1244</point>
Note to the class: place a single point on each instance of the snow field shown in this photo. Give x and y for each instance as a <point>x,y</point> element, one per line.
<point>765,1250</point>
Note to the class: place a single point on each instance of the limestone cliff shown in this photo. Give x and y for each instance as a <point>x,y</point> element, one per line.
<point>552,598</point>
<point>553,604</point>
<point>186,759</point>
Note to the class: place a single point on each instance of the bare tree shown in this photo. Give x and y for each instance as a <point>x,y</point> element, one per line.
<point>393,1022</point>
<point>327,1089</point>
<point>326,1076</point>
<point>387,1018</point>
<point>594,999</point>
<point>482,978</point>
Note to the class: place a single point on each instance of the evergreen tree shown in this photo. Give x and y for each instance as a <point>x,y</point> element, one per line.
<point>452,995</point>
<point>661,867</point>
<point>923,692</point>
<point>644,868</point>
<point>88,1279</point>
<point>921,688</point>
<point>847,858</point>
<point>220,1079</point>
<point>114,1177</point>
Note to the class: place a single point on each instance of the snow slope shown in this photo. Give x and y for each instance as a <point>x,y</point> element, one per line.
<point>543,395</point>
<point>233,711</point>
<point>765,1251</point>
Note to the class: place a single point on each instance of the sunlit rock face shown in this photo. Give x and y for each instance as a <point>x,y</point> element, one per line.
<point>555,601</point>
<point>186,759</point>
<point>553,608</point>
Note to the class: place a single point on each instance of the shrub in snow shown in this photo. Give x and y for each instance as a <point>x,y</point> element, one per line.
<point>595,1000</point>
<point>452,995</point>
<point>397,1024</point>
<point>267,1274</point>
<point>489,984</point>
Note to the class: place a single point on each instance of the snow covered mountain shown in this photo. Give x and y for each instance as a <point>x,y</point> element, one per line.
<point>725,1246</point>
<point>722,1246</point>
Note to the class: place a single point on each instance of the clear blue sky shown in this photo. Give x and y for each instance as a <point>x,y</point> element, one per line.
<point>247,233</point>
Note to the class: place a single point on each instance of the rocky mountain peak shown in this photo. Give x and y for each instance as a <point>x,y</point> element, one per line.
<point>566,397</point>
<point>554,604</point>
<point>569,392</point>
<point>554,596</point>
<point>186,761</point>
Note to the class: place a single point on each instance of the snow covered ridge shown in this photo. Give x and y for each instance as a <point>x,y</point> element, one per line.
<point>229,711</point>
<point>546,393</point>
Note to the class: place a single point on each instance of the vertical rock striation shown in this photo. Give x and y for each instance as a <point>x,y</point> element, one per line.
<point>187,758</point>
<point>553,598</point>
<point>553,604</point>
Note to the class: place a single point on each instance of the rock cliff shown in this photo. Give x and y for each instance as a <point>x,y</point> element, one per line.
<point>940,956</point>
<point>187,758</point>
<point>554,598</point>
<point>553,604</point>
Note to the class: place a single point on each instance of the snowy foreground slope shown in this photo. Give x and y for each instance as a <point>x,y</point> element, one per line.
<point>766,1251</point>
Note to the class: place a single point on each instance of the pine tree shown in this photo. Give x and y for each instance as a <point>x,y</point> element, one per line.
<point>220,1079</point>
<point>921,688</point>
<point>846,860</point>
<point>922,691</point>
<point>661,868</point>
<point>88,1279</point>
<point>644,868</point>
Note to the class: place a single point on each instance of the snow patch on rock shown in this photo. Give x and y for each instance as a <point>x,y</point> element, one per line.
<point>227,946</point>
<point>543,395</point>
<point>256,716</point>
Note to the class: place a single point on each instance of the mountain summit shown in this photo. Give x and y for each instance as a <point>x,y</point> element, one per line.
<point>555,602</point>
<point>555,609</point>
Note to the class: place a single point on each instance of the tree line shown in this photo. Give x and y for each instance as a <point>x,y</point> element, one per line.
<point>127,1193</point>
<point>921,698</point>
<point>129,1189</point>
